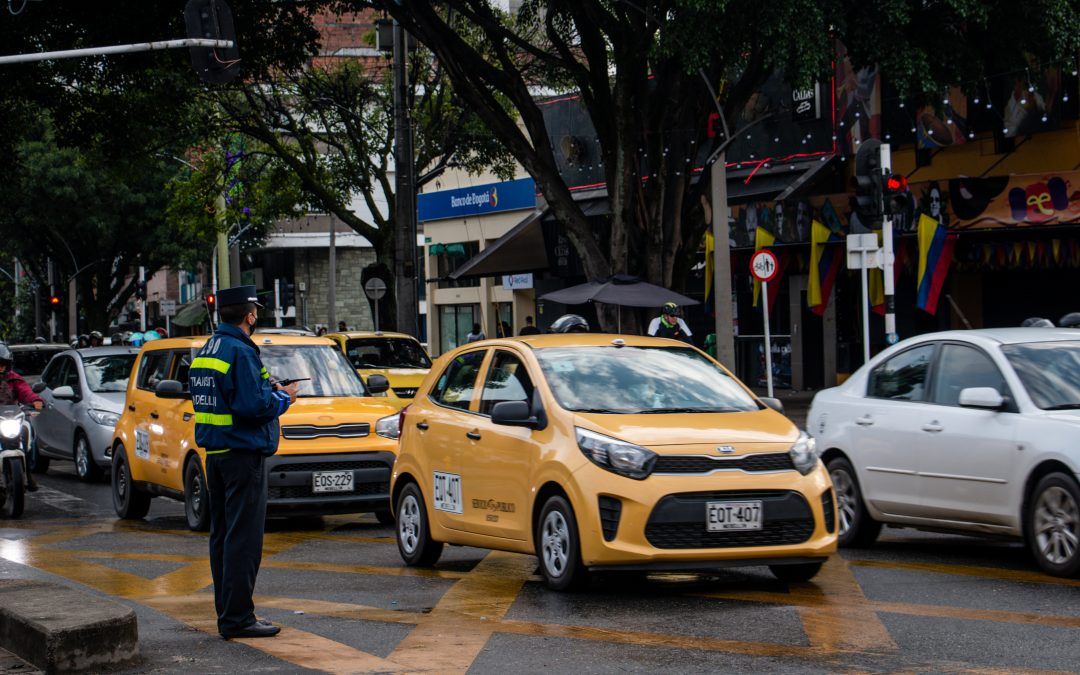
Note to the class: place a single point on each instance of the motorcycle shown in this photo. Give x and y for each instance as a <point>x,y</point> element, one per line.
<point>16,439</point>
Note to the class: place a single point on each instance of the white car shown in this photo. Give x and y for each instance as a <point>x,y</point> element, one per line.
<point>975,432</point>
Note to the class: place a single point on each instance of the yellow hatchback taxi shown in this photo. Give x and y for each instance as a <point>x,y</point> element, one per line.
<point>337,447</point>
<point>398,357</point>
<point>602,452</point>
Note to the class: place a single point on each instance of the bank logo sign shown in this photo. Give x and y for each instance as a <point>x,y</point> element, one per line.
<point>476,200</point>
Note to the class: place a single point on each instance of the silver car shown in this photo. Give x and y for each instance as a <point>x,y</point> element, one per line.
<point>84,392</point>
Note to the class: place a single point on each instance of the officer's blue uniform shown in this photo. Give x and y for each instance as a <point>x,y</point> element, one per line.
<point>236,411</point>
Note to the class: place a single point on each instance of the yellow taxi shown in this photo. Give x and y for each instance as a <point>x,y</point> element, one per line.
<point>603,452</point>
<point>337,447</point>
<point>398,357</point>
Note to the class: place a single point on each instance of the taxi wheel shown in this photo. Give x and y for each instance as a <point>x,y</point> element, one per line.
<point>856,527</point>
<point>559,547</point>
<point>796,573</point>
<point>196,497</point>
<point>85,466</point>
<point>1053,527</point>
<point>128,501</point>
<point>414,540</point>
<point>385,517</point>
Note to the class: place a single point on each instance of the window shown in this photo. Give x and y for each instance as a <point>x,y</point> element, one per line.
<point>183,365</point>
<point>455,323</point>
<point>960,367</point>
<point>108,373</point>
<point>70,378</point>
<point>54,373</point>
<point>154,369</point>
<point>386,353</point>
<point>449,257</point>
<point>507,380</point>
<point>903,377</point>
<point>328,371</point>
<point>455,387</point>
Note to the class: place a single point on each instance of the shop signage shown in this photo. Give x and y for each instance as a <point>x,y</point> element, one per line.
<point>517,282</point>
<point>806,103</point>
<point>477,200</point>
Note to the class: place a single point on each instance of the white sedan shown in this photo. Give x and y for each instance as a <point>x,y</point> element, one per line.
<point>975,432</point>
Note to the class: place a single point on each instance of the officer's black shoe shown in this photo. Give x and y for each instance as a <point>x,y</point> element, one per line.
<point>255,630</point>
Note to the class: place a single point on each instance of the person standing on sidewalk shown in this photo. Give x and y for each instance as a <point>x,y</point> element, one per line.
<point>236,413</point>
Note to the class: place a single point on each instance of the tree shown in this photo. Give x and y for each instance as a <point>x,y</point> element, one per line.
<point>333,128</point>
<point>644,69</point>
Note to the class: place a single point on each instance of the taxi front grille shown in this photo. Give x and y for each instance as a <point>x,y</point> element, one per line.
<point>341,465</point>
<point>305,491</point>
<point>772,461</point>
<point>678,521</point>
<point>405,392</point>
<point>304,432</point>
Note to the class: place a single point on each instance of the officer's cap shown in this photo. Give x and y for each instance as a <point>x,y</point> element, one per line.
<point>237,295</point>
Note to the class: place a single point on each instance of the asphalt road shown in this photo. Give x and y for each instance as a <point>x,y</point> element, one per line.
<point>915,602</point>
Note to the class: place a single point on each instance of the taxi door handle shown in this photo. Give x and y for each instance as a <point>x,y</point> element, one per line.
<point>154,415</point>
<point>933,427</point>
<point>865,421</point>
<point>131,407</point>
<point>475,435</point>
<point>188,416</point>
<point>422,426</point>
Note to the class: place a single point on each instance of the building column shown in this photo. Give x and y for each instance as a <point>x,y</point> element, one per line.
<point>796,285</point>
<point>828,340</point>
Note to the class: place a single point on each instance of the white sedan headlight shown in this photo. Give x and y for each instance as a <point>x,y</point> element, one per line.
<point>804,453</point>
<point>625,459</point>
<point>10,428</point>
<point>389,427</point>
<point>104,417</point>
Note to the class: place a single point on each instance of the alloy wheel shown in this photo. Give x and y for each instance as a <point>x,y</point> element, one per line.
<point>409,524</point>
<point>555,535</point>
<point>82,456</point>
<point>846,498</point>
<point>1057,525</point>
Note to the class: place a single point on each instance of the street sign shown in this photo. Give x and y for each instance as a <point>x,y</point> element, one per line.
<point>168,307</point>
<point>375,288</point>
<point>763,265</point>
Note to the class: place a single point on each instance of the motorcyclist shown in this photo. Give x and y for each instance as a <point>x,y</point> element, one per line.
<point>84,341</point>
<point>15,391</point>
<point>570,323</point>
<point>1070,320</point>
<point>96,339</point>
<point>1037,322</point>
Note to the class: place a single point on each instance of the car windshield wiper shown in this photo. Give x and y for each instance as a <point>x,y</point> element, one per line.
<point>656,411</point>
<point>1064,406</point>
<point>605,411</point>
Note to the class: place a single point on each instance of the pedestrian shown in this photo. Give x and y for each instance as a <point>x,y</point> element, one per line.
<point>529,328</point>
<point>670,324</point>
<point>342,327</point>
<point>505,330</point>
<point>476,334</point>
<point>236,413</point>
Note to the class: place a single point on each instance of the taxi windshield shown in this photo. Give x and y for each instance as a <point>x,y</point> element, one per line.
<point>108,373</point>
<point>1050,372</point>
<point>640,380</point>
<point>330,373</point>
<point>386,352</point>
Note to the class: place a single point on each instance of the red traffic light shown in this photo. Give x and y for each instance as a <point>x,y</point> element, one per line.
<point>54,300</point>
<point>211,300</point>
<point>896,183</point>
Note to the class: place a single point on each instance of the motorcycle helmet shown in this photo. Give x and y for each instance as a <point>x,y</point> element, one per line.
<point>5,355</point>
<point>136,339</point>
<point>40,340</point>
<point>1070,320</point>
<point>1037,322</point>
<point>570,323</point>
<point>151,335</point>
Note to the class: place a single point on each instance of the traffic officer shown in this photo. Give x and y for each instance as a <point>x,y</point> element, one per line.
<point>236,411</point>
<point>670,324</point>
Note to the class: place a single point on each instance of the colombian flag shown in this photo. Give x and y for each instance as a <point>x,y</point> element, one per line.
<point>765,239</point>
<point>935,255</point>
<point>824,265</point>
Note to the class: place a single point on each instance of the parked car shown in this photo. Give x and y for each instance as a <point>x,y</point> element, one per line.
<point>972,432</point>
<point>338,441</point>
<point>83,390</point>
<point>398,357</point>
<point>31,359</point>
<point>598,453</point>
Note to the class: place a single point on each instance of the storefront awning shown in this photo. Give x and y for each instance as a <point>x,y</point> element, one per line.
<point>776,185</point>
<point>520,250</point>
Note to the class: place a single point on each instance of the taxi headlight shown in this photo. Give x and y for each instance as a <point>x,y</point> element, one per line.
<point>104,417</point>
<point>389,427</point>
<point>804,453</point>
<point>10,428</point>
<point>625,459</point>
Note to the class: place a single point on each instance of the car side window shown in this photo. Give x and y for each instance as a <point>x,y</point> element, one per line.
<point>54,373</point>
<point>903,377</point>
<point>71,374</point>
<point>154,369</point>
<point>960,367</point>
<point>183,365</point>
<point>455,387</point>
<point>507,380</point>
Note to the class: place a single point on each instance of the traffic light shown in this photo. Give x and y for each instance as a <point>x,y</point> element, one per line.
<point>212,20</point>
<point>140,290</point>
<point>897,197</point>
<point>869,190</point>
<point>211,302</point>
<point>286,293</point>
<point>54,301</point>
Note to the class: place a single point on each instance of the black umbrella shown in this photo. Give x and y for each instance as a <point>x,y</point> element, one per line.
<point>622,290</point>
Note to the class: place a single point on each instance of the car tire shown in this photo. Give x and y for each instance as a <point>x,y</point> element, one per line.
<point>128,501</point>
<point>558,546</point>
<point>85,467</point>
<point>196,497</point>
<point>855,525</point>
<point>1053,525</point>
<point>35,461</point>
<point>796,573</point>
<point>385,517</point>
<point>414,540</point>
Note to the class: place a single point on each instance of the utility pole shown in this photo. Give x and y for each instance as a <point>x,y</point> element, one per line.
<point>142,301</point>
<point>725,339</point>
<point>52,310</point>
<point>405,277</point>
<point>331,287</point>
<point>891,337</point>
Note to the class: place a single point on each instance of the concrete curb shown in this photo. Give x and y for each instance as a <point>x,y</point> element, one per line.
<point>60,629</point>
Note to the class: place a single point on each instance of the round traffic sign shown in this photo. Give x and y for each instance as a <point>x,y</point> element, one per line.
<point>375,288</point>
<point>763,265</point>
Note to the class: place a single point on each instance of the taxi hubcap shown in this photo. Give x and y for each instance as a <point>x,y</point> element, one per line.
<point>845,498</point>
<point>409,524</point>
<point>121,481</point>
<point>1057,525</point>
<point>556,543</point>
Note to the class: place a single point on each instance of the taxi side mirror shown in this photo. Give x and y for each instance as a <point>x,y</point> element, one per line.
<point>38,387</point>
<point>378,384</point>
<point>514,414</point>
<point>170,389</point>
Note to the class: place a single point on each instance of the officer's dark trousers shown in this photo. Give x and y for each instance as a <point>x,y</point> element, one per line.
<point>237,489</point>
